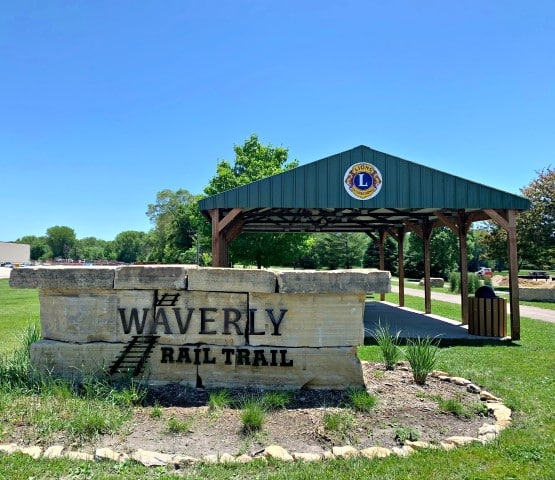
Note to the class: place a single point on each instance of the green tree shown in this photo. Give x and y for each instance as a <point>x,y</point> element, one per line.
<point>62,241</point>
<point>536,227</point>
<point>173,226</point>
<point>372,255</point>
<point>444,254</point>
<point>39,247</point>
<point>92,248</point>
<point>339,250</point>
<point>130,246</point>
<point>254,161</point>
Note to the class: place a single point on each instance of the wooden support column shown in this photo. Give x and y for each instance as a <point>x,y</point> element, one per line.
<point>383,235</point>
<point>224,230</point>
<point>424,231</point>
<point>427,228</point>
<point>399,236</point>
<point>460,226</point>
<point>507,221</point>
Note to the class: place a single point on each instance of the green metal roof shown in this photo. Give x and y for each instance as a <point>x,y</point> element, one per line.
<point>406,190</point>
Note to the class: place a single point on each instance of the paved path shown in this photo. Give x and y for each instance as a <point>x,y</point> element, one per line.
<point>525,311</point>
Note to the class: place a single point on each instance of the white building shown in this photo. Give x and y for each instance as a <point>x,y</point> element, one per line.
<point>15,252</point>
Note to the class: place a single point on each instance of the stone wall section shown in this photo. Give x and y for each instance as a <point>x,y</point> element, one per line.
<point>213,326</point>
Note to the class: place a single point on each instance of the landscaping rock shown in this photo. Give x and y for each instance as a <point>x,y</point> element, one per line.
<point>473,388</point>
<point>463,382</point>
<point>33,452</point>
<point>485,396</point>
<point>87,457</point>
<point>9,448</point>
<point>345,452</point>
<point>460,440</point>
<point>376,452</point>
<point>151,459</point>
<point>55,451</point>
<point>275,451</point>
<point>307,457</point>
<point>109,454</point>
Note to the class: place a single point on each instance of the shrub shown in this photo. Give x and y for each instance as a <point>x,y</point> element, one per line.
<point>402,434</point>
<point>389,345</point>
<point>253,416</point>
<point>276,400</point>
<point>340,422</point>
<point>455,282</point>
<point>176,425</point>
<point>422,356</point>
<point>473,282</point>
<point>361,400</point>
<point>219,399</point>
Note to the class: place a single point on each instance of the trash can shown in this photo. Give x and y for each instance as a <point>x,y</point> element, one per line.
<point>487,313</point>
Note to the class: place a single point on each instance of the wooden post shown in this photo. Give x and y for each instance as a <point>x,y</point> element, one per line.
<point>224,230</point>
<point>459,225</point>
<point>383,235</point>
<point>399,236</point>
<point>427,228</point>
<point>507,221</point>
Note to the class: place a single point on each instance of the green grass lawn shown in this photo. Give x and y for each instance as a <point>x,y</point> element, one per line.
<point>18,308</point>
<point>522,373</point>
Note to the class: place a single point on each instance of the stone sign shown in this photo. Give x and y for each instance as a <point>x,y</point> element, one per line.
<point>205,327</point>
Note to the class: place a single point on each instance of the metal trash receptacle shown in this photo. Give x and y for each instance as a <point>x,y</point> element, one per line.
<point>487,313</point>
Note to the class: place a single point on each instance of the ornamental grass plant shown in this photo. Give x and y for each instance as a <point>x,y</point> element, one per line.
<point>422,356</point>
<point>389,345</point>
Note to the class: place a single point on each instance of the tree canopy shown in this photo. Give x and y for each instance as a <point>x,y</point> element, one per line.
<point>254,161</point>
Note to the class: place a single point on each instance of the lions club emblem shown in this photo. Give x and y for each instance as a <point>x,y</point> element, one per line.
<point>362,181</point>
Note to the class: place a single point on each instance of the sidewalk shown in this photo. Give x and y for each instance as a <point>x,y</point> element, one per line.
<point>535,313</point>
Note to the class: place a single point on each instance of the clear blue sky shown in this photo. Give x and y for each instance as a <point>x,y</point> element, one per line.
<point>105,103</point>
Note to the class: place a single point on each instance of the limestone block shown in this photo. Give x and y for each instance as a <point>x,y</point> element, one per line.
<point>210,366</point>
<point>231,280</point>
<point>312,320</point>
<point>144,277</point>
<point>196,317</point>
<point>269,367</point>
<point>58,277</point>
<point>434,282</point>
<point>71,360</point>
<point>335,281</point>
<point>88,316</point>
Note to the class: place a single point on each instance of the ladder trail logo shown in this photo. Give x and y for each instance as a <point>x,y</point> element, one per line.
<point>362,181</point>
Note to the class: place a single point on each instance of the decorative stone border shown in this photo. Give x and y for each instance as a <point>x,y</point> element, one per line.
<point>486,433</point>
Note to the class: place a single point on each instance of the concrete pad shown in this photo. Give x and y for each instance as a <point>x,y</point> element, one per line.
<point>413,324</point>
